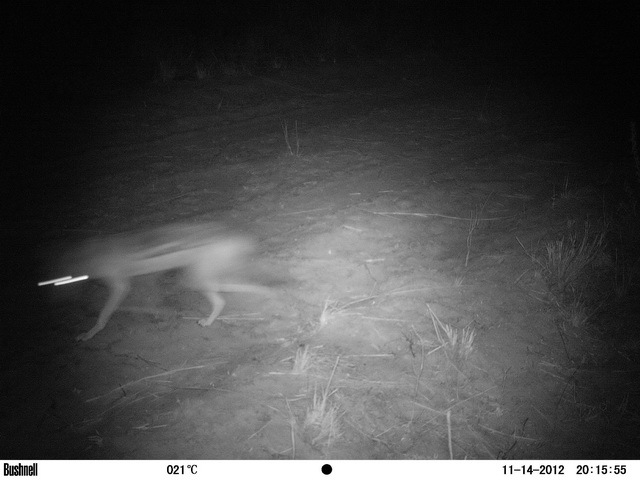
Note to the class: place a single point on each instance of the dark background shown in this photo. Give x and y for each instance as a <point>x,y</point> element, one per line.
<point>108,44</point>
<point>59,58</point>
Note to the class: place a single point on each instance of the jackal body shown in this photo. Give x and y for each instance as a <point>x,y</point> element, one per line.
<point>208,253</point>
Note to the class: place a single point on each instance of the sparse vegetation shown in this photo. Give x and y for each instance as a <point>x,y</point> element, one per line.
<point>321,423</point>
<point>626,275</point>
<point>293,151</point>
<point>566,261</point>
<point>365,235</point>
<point>573,268</point>
<point>328,309</point>
<point>303,360</point>
<point>458,343</point>
<point>473,224</point>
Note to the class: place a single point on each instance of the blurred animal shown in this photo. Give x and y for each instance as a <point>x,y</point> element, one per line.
<point>208,253</point>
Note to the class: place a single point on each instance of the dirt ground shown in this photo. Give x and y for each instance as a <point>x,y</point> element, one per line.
<point>397,205</point>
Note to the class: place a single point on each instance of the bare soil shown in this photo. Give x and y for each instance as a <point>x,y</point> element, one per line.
<point>366,233</point>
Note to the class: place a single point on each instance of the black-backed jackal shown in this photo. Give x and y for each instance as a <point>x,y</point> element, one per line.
<point>208,253</point>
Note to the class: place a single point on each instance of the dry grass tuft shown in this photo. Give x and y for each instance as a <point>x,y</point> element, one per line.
<point>572,268</point>
<point>566,260</point>
<point>303,360</point>
<point>458,344</point>
<point>328,310</point>
<point>321,423</point>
